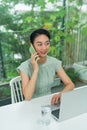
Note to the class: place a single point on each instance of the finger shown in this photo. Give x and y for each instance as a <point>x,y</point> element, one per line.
<point>53,101</point>
<point>34,57</point>
<point>37,59</point>
<point>35,53</point>
<point>57,100</point>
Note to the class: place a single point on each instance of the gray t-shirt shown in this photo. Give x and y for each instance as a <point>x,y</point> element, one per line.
<point>46,74</point>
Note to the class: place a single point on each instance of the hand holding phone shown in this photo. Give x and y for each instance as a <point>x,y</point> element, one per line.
<point>32,50</point>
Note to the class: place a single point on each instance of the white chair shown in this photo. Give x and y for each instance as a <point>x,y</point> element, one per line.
<point>16,90</point>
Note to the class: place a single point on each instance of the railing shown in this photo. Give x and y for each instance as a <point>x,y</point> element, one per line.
<point>5,96</point>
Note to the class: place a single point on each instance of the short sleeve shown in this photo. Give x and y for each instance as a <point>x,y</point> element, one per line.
<point>58,65</point>
<point>24,67</point>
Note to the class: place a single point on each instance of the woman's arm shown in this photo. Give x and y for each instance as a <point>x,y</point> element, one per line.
<point>69,85</point>
<point>29,83</point>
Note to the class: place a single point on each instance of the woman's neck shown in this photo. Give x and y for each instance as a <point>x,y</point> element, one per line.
<point>42,60</point>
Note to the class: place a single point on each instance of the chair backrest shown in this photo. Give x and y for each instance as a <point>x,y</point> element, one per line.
<point>16,90</point>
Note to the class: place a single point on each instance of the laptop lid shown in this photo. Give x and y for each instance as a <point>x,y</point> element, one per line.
<point>73,103</point>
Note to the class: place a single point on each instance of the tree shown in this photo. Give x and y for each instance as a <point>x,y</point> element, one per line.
<point>17,26</point>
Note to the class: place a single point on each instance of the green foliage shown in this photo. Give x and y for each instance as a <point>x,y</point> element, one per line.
<point>41,3</point>
<point>84,31</point>
<point>52,1</point>
<point>19,25</point>
<point>4,92</point>
<point>74,76</point>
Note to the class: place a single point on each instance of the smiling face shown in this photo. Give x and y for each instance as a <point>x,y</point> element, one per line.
<point>42,45</point>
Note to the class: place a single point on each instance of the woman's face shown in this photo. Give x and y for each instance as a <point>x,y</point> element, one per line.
<point>42,45</point>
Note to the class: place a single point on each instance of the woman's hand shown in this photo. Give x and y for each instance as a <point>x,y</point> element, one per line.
<point>34,59</point>
<point>56,98</point>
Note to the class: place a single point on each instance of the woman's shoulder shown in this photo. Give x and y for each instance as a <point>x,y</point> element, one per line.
<point>54,63</point>
<point>24,66</point>
<point>26,62</point>
<point>53,59</point>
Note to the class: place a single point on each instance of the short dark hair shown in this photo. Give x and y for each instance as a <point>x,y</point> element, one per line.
<point>38,32</point>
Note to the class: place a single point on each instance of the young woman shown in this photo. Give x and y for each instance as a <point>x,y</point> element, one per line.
<point>38,72</point>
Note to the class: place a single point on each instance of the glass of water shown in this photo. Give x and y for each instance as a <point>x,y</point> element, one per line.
<point>45,115</point>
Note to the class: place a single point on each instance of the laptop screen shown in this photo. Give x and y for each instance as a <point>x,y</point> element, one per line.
<point>73,103</point>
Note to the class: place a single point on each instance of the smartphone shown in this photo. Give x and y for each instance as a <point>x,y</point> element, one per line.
<point>31,49</point>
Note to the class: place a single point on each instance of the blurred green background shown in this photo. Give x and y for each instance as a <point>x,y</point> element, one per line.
<point>66,20</point>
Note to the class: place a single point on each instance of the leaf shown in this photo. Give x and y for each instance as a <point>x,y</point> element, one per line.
<point>52,1</point>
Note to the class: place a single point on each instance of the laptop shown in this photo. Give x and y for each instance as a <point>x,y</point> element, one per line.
<point>73,103</point>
